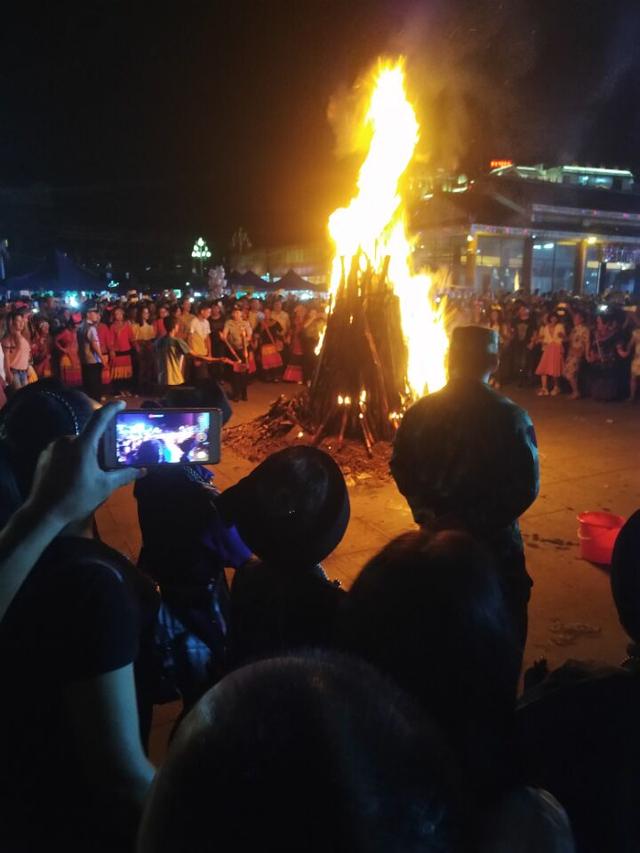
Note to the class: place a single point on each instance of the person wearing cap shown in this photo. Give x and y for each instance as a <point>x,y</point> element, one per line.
<point>90,352</point>
<point>291,511</point>
<point>466,458</point>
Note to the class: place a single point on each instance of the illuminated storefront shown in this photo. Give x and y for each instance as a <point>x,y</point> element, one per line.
<point>509,232</point>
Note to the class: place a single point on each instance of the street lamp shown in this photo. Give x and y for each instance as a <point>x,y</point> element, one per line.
<point>200,252</point>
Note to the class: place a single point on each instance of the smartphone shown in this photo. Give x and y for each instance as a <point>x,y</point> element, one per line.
<point>142,438</point>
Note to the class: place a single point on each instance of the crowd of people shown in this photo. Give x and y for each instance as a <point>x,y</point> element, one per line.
<point>138,346</point>
<point>579,346</point>
<point>385,719</point>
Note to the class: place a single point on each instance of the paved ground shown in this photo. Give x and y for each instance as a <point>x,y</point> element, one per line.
<point>590,459</point>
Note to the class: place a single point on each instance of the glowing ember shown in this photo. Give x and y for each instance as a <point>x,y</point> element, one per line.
<point>374,225</point>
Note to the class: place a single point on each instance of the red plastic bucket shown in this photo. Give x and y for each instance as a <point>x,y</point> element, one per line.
<point>597,535</point>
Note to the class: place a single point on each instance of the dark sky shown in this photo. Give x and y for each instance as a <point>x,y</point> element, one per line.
<point>211,114</point>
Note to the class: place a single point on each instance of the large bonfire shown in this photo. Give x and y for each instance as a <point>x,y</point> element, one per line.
<point>385,342</point>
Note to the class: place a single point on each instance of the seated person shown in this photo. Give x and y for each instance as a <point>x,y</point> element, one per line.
<point>71,747</point>
<point>312,754</point>
<point>292,511</point>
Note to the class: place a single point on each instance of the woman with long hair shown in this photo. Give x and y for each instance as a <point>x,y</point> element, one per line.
<point>67,345</point>
<point>552,336</point>
<point>144,333</point>
<point>41,349</point>
<point>17,350</point>
<point>121,344</point>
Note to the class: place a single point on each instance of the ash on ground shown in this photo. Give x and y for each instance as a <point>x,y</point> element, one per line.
<point>286,424</point>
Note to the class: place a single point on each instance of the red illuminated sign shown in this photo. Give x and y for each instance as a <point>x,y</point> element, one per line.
<point>501,164</point>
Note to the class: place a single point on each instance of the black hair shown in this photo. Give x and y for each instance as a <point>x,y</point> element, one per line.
<point>293,509</point>
<point>625,576</point>
<point>429,611</point>
<point>31,420</point>
<point>150,452</point>
<point>307,753</point>
<point>141,308</point>
<point>210,396</point>
<point>169,322</point>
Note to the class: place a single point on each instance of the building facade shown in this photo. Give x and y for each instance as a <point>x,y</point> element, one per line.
<point>560,229</point>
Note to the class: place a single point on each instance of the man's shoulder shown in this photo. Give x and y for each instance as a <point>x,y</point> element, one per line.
<point>462,398</point>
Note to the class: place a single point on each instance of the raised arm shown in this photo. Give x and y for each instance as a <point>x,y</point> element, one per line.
<point>69,484</point>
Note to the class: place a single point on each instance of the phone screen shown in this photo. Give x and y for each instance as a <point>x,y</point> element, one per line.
<point>166,436</point>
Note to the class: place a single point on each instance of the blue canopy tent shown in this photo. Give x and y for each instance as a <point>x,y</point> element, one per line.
<point>292,281</point>
<point>56,273</point>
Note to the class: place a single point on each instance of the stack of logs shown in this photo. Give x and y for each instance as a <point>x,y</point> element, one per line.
<point>360,386</point>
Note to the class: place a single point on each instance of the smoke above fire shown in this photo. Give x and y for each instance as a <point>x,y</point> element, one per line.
<point>464,66</point>
<point>501,78</point>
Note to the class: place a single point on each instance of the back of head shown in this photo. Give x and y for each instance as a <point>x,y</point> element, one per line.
<point>211,396</point>
<point>304,754</point>
<point>429,611</point>
<point>169,323</point>
<point>31,420</point>
<point>625,576</point>
<point>473,352</point>
<point>292,509</point>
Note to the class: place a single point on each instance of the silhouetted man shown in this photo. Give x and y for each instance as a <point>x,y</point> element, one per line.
<point>466,458</point>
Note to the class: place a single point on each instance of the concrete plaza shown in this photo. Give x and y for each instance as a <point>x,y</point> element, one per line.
<point>590,459</point>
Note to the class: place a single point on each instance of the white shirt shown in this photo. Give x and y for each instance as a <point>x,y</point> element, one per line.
<point>200,331</point>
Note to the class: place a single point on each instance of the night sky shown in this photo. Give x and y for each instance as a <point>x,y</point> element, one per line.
<point>214,114</point>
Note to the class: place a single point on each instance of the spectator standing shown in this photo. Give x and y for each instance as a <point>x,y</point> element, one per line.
<point>17,350</point>
<point>121,346</point>
<point>522,344</point>
<point>633,350</point>
<point>281,317</point>
<point>158,324</point>
<point>90,352</point>
<point>311,331</point>
<point>293,371</point>
<point>66,343</point>
<point>268,337</point>
<point>237,336</point>
<point>552,338</point>
<point>479,481</point>
<point>170,352</point>
<point>5,375</point>
<point>185,318</point>
<point>144,333</point>
<point>103,336</point>
<point>579,347</point>
<point>199,342</point>
<point>255,313</point>
<point>41,349</point>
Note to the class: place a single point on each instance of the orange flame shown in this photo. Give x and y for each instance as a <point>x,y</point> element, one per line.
<point>374,224</point>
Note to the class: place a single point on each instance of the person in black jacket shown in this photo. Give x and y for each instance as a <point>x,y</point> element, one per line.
<point>466,458</point>
<point>69,639</point>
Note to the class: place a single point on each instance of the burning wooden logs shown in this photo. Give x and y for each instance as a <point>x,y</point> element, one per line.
<point>360,382</point>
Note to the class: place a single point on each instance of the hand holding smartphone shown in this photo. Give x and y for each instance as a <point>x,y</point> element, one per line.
<point>143,438</point>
